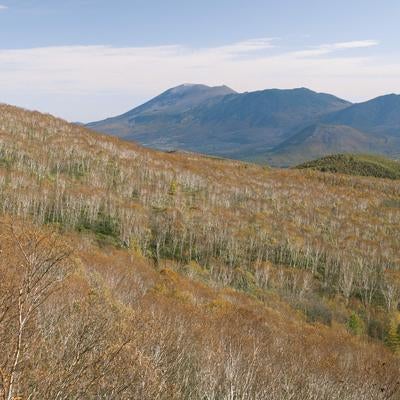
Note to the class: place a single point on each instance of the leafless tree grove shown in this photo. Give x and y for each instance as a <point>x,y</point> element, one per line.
<point>131,274</point>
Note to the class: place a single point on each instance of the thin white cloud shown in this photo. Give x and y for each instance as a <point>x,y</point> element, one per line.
<point>91,82</point>
<point>356,44</point>
<point>247,46</point>
<point>330,48</point>
<point>3,7</point>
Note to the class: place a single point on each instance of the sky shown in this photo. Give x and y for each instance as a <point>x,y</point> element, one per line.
<point>85,60</point>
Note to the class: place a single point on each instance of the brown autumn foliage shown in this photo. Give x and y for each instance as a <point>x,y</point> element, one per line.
<point>177,276</point>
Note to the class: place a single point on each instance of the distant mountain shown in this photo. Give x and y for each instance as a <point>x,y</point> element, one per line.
<point>219,121</point>
<point>356,164</point>
<point>320,140</point>
<point>380,115</point>
<point>279,127</point>
<point>241,125</point>
<point>369,127</point>
<point>164,110</point>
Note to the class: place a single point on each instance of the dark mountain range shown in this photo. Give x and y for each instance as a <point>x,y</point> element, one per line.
<point>281,127</point>
<point>372,127</point>
<point>320,140</point>
<point>219,121</point>
<point>380,115</point>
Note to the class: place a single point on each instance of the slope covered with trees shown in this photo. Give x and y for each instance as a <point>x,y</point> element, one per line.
<point>356,164</point>
<point>133,274</point>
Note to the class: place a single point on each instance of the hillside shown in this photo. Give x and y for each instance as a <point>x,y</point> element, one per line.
<point>140,274</point>
<point>380,115</point>
<point>223,123</point>
<point>369,127</point>
<point>320,140</point>
<point>356,164</point>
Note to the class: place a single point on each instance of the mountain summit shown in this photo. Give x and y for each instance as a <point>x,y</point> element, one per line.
<point>180,99</point>
<point>163,109</point>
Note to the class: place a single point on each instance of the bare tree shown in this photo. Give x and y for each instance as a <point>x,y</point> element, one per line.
<point>32,264</point>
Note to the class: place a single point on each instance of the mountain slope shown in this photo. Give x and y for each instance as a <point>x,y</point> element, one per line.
<point>356,164</point>
<point>282,127</point>
<point>151,275</point>
<point>225,124</point>
<point>319,140</point>
<point>380,115</point>
<point>167,108</point>
<point>372,127</point>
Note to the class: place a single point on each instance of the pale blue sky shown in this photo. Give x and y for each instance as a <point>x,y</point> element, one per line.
<point>85,59</point>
